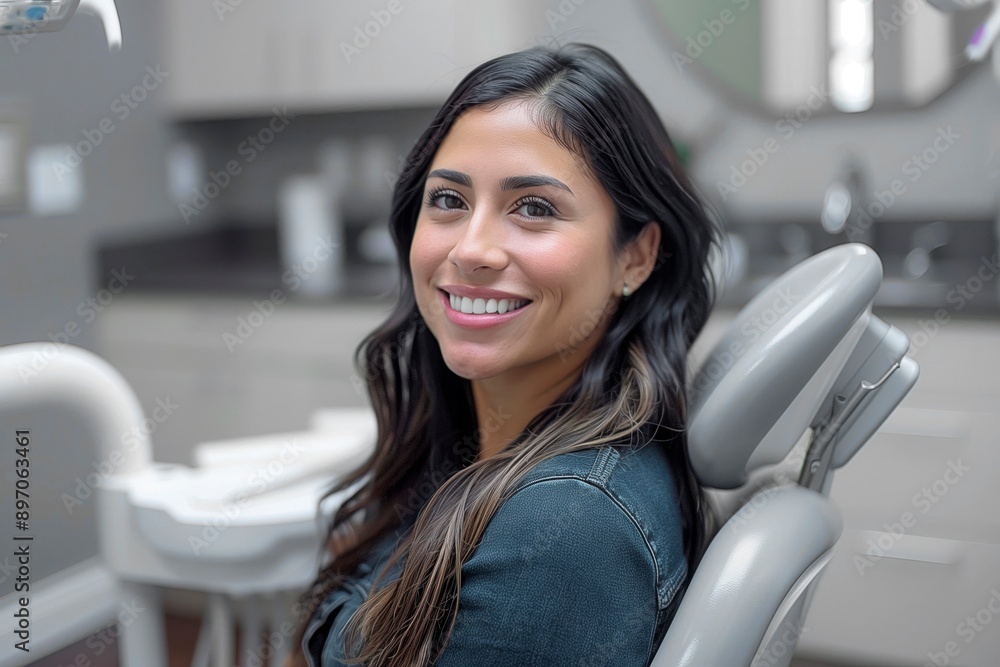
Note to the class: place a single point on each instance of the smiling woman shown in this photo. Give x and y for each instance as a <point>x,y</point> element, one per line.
<point>530,500</point>
<point>545,237</point>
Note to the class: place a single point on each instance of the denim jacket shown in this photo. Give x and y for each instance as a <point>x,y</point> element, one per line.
<point>583,565</point>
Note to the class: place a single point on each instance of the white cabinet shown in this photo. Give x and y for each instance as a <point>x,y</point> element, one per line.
<point>237,57</point>
<point>296,360</point>
<point>908,611</point>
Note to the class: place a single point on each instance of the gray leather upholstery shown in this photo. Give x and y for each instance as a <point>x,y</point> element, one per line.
<point>757,567</point>
<point>760,388</point>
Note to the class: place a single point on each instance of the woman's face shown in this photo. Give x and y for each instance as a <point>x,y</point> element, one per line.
<point>515,229</point>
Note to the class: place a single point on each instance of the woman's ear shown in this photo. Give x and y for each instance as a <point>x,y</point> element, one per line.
<point>641,254</point>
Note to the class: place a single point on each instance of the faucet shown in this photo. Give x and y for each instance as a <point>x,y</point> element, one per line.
<point>925,240</point>
<point>842,204</point>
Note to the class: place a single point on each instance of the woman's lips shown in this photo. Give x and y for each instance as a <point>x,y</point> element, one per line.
<point>482,321</point>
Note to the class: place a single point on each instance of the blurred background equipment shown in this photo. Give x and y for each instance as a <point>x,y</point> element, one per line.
<point>34,16</point>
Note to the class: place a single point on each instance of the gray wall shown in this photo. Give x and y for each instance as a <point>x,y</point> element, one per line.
<point>71,80</point>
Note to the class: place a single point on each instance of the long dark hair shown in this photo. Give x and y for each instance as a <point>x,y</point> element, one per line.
<point>631,390</point>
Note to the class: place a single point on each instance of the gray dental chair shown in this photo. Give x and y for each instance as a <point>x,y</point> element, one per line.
<point>804,354</point>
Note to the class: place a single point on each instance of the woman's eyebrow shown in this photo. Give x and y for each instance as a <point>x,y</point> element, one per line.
<point>453,176</point>
<point>509,183</point>
<point>518,182</point>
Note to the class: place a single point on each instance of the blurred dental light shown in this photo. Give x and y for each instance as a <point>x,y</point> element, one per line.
<point>34,16</point>
<point>852,65</point>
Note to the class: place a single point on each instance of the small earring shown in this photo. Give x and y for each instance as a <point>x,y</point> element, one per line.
<point>626,291</point>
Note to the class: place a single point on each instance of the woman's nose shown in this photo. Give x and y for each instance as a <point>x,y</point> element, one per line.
<point>480,242</point>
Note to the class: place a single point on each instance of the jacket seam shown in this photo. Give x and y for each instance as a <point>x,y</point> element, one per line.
<point>675,582</point>
<point>605,461</point>
<point>632,520</point>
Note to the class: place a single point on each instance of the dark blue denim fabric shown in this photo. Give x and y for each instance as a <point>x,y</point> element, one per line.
<point>583,565</point>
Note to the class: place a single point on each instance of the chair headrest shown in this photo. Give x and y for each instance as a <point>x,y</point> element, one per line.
<point>760,387</point>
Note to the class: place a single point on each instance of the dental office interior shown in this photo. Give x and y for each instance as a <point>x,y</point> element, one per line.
<point>193,240</point>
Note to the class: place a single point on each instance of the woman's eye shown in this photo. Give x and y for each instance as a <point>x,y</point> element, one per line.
<point>535,209</point>
<point>445,200</point>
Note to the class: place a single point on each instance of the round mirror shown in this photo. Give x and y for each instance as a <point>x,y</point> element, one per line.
<point>834,55</point>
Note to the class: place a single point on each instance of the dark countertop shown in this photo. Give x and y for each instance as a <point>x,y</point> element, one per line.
<point>236,261</point>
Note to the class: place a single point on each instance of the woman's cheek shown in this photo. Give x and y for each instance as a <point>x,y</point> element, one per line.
<point>425,258</point>
<point>420,256</point>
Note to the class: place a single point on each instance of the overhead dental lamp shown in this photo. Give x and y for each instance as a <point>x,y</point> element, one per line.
<point>33,16</point>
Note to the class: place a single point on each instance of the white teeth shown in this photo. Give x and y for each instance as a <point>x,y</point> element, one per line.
<point>480,306</point>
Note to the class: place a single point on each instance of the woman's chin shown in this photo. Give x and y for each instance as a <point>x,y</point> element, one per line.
<point>471,368</point>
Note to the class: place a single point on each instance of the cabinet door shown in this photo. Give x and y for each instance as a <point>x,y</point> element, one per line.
<point>224,57</point>
<point>912,610</point>
<point>374,53</point>
<point>316,55</point>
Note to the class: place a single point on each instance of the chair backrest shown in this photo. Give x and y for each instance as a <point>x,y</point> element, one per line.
<point>787,363</point>
<point>762,384</point>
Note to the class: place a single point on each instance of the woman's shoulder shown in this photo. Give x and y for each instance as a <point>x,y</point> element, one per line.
<point>609,465</point>
<point>632,488</point>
